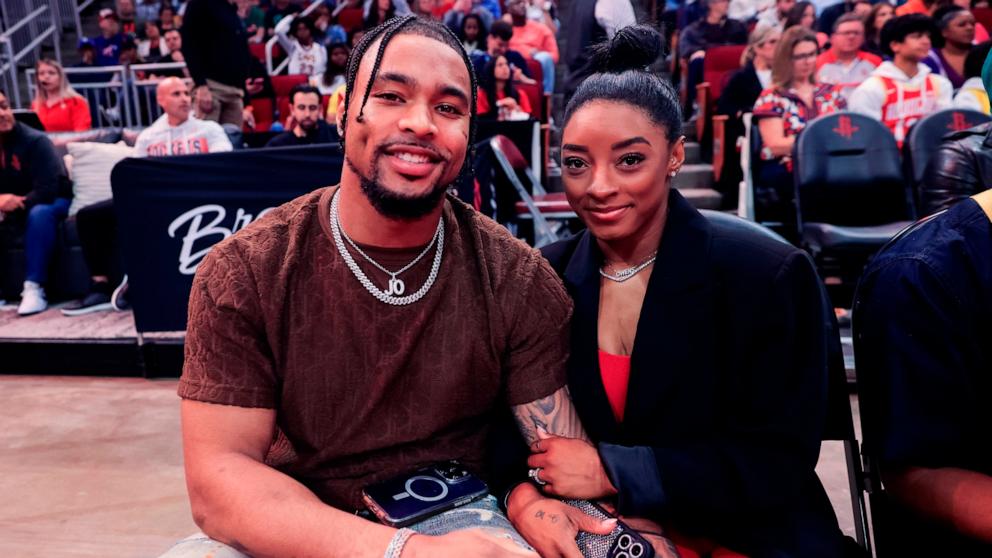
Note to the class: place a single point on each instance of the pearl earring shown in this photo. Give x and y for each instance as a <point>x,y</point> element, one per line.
<point>673,173</point>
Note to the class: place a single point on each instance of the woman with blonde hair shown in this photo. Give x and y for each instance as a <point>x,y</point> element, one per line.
<point>782,111</point>
<point>57,104</point>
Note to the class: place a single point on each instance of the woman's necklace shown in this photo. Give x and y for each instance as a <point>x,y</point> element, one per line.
<point>621,275</point>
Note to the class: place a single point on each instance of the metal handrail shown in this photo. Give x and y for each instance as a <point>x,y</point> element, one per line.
<point>27,19</point>
<point>11,58</point>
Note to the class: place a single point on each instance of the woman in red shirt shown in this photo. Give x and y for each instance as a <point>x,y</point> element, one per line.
<point>495,83</point>
<point>59,107</point>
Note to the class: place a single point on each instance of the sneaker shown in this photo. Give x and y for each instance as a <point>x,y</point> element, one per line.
<point>32,299</point>
<point>96,300</point>
<point>119,298</point>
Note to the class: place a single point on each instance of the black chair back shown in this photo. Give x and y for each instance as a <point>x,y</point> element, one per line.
<point>928,133</point>
<point>847,172</point>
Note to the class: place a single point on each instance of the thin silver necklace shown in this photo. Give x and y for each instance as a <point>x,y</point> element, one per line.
<point>396,285</point>
<point>622,275</point>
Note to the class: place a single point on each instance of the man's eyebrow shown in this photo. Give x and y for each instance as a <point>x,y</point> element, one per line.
<point>397,77</point>
<point>629,142</point>
<point>573,147</point>
<point>453,91</point>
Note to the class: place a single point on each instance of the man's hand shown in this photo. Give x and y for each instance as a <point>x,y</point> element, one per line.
<point>11,202</point>
<point>570,467</point>
<point>254,85</point>
<point>549,525</point>
<point>248,115</point>
<point>470,542</point>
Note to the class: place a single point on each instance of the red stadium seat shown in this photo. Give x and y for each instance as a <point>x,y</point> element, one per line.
<point>983,16</point>
<point>258,51</point>
<point>535,70</point>
<point>535,95</point>
<point>720,62</point>
<point>350,19</point>
<point>264,114</point>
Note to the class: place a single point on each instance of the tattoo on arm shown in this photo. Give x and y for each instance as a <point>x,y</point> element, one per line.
<point>555,414</point>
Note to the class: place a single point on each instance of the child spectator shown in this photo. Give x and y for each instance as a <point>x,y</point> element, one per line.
<point>59,107</point>
<point>845,65</point>
<point>334,75</point>
<point>305,56</point>
<point>473,33</point>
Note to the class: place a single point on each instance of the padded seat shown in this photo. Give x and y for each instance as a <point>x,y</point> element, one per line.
<point>824,236</point>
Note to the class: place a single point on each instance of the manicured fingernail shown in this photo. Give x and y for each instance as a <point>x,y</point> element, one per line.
<point>610,522</point>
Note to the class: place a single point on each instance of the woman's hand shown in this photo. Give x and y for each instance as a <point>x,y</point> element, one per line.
<point>570,467</point>
<point>549,525</point>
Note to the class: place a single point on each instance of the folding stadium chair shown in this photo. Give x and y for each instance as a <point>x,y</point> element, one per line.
<point>883,524</point>
<point>282,85</point>
<point>719,63</point>
<point>851,197</point>
<point>927,134</point>
<point>839,425</point>
<point>350,19</point>
<point>534,205</point>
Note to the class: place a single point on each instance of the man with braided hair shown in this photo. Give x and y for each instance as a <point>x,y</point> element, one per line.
<point>369,329</point>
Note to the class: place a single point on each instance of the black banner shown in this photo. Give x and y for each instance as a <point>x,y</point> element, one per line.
<point>171,210</point>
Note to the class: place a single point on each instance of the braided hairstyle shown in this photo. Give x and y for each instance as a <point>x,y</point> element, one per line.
<point>413,25</point>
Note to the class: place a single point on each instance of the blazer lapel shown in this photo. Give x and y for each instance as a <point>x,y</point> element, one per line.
<point>675,316</point>
<point>582,281</point>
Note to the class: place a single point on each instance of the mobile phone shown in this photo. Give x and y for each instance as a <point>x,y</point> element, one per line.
<point>412,497</point>
<point>623,542</point>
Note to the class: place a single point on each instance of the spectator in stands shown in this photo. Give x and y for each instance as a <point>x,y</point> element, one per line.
<point>498,99</point>
<point>782,112</point>
<point>473,33</point>
<point>534,41</point>
<point>87,54</point>
<point>845,65</point>
<point>715,29</point>
<point>981,33</point>
<point>176,132</point>
<point>738,97</point>
<point>147,10</point>
<point>455,17</point>
<point>279,10</point>
<point>129,53</point>
<point>380,11</point>
<point>215,45</point>
<point>307,127</point>
<point>952,43</point>
<point>879,14</point>
<point>327,32</point>
<point>34,199</point>
<point>423,8</point>
<point>498,44</point>
<point>126,15</point>
<point>962,165</point>
<point>167,18</point>
<point>803,14</point>
<point>828,17</point>
<point>923,328</point>
<point>591,23</point>
<point>722,447</point>
<point>153,45</point>
<point>972,95</point>
<point>543,12</point>
<point>337,67</point>
<point>57,104</point>
<point>922,7</point>
<point>902,91</point>
<point>777,15</point>
<point>108,43</point>
<point>253,19</point>
<point>306,57</point>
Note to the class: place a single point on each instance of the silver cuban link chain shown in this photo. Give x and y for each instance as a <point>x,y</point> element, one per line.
<point>396,286</point>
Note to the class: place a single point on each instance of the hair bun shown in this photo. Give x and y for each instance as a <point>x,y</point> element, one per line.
<point>634,47</point>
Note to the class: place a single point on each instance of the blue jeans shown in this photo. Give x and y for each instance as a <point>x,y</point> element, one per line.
<point>483,514</point>
<point>39,237</point>
<point>548,69</point>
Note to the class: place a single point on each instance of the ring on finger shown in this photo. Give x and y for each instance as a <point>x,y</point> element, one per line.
<point>535,475</point>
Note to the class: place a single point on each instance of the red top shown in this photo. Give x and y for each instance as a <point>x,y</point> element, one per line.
<point>615,372</point>
<point>70,115</point>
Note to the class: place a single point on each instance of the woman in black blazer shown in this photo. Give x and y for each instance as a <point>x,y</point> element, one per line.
<point>713,430</point>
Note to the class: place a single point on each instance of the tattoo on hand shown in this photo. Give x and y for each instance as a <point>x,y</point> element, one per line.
<point>539,514</point>
<point>554,414</point>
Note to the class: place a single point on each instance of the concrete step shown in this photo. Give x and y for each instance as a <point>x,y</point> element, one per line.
<point>692,153</point>
<point>698,175</point>
<point>703,198</point>
<point>689,130</point>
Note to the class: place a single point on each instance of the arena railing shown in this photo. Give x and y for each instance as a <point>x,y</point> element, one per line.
<point>143,79</point>
<point>24,30</point>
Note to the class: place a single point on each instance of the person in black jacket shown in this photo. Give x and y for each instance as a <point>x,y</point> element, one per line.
<point>738,97</point>
<point>962,165</point>
<point>698,355</point>
<point>215,45</point>
<point>34,199</point>
<point>308,125</point>
<point>715,29</point>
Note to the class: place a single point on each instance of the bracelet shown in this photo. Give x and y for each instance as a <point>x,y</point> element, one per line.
<point>397,543</point>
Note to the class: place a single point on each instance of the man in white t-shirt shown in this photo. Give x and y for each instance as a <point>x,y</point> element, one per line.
<point>176,132</point>
<point>305,56</point>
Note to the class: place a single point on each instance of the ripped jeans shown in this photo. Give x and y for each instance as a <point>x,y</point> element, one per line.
<point>482,514</point>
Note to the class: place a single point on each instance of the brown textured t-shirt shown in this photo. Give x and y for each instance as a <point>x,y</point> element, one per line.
<point>364,390</point>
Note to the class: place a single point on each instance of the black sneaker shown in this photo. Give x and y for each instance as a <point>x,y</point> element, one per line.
<point>119,298</point>
<point>97,300</point>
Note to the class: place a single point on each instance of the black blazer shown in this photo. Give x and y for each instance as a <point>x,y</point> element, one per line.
<point>727,393</point>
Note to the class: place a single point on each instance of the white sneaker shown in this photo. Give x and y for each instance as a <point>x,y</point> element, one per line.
<point>32,299</point>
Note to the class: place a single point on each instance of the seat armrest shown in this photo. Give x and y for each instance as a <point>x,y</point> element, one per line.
<point>719,143</point>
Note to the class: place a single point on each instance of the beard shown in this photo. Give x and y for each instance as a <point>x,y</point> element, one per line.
<point>394,205</point>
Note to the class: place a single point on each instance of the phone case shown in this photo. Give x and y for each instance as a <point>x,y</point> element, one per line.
<point>623,542</point>
<point>410,498</point>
